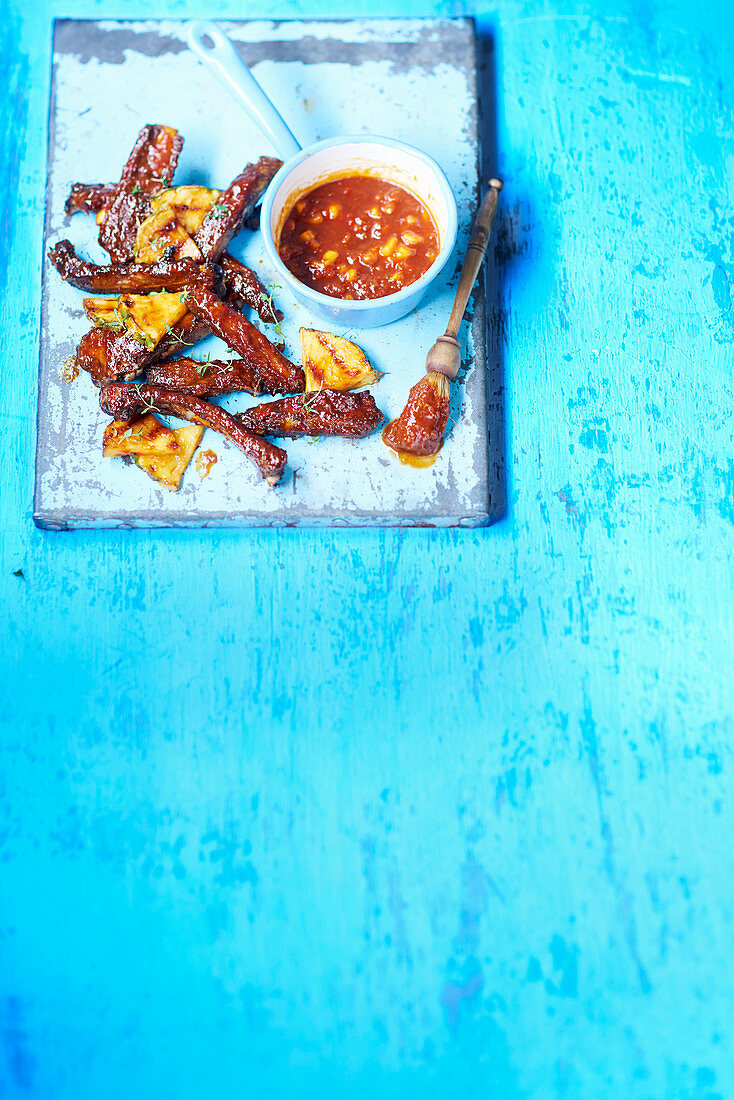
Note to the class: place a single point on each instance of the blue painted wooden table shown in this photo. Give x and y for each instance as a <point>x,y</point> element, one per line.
<point>408,814</point>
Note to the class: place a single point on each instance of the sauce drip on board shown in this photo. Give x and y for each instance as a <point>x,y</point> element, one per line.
<point>204,462</point>
<point>418,462</point>
<point>416,436</point>
<point>358,238</point>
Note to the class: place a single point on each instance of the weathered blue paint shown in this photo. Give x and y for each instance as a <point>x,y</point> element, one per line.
<point>408,813</point>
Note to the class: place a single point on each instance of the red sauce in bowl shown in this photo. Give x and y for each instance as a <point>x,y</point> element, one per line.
<point>358,237</point>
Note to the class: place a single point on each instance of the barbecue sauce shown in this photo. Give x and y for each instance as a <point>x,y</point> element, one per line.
<point>204,462</point>
<point>358,238</point>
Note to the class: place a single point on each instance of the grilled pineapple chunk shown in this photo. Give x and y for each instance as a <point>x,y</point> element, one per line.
<point>169,469</point>
<point>191,204</point>
<point>102,312</point>
<point>144,435</point>
<point>147,316</point>
<point>333,363</point>
<point>158,233</point>
<point>164,453</point>
<point>175,216</point>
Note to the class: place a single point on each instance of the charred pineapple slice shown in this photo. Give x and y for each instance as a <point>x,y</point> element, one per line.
<point>334,363</point>
<point>164,453</point>
<point>169,469</point>
<point>175,216</point>
<point>102,312</point>
<point>147,316</point>
<point>160,232</point>
<point>144,435</point>
<point>191,204</point>
<point>152,314</point>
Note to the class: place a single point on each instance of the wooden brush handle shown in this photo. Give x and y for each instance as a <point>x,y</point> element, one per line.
<point>474,254</point>
<point>445,355</point>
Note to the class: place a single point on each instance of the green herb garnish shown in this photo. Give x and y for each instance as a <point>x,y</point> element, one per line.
<point>307,400</point>
<point>179,339</point>
<point>268,301</point>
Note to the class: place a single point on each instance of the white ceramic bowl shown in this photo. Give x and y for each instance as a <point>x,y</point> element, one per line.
<point>348,156</point>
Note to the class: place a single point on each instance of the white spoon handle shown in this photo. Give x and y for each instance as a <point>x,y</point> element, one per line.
<point>215,50</point>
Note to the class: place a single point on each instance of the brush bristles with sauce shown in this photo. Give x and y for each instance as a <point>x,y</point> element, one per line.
<point>416,436</point>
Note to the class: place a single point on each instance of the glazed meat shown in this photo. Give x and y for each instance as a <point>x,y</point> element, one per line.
<point>149,168</point>
<point>207,379</point>
<point>137,278</point>
<point>180,236</point>
<point>127,278</point>
<point>234,207</point>
<point>88,198</point>
<point>107,355</point>
<point>325,412</point>
<point>112,356</point>
<point>277,373</point>
<point>246,283</point>
<point>123,402</point>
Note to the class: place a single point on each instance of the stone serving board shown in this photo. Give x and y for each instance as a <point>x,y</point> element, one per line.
<point>415,80</point>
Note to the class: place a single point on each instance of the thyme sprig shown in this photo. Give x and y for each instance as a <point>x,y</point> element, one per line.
<point>205,364</point>
<point>308,399</point>
<point>176,336</point>
<point>268,301</point>
<point>126,434</point>
<point>148,405</point>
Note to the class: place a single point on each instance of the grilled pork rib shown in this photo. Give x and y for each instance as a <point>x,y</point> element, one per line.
<point>127,278</point>
<point>277,373</point>
<point>214,379</point>
<point>234,206</point>
<point>123,402</point>
<point>323,412</point>
<point>149,169</point>
<point>171,275</point>
<point>88,198</point>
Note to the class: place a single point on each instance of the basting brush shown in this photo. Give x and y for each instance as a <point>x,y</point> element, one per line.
<point>417,434</point>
